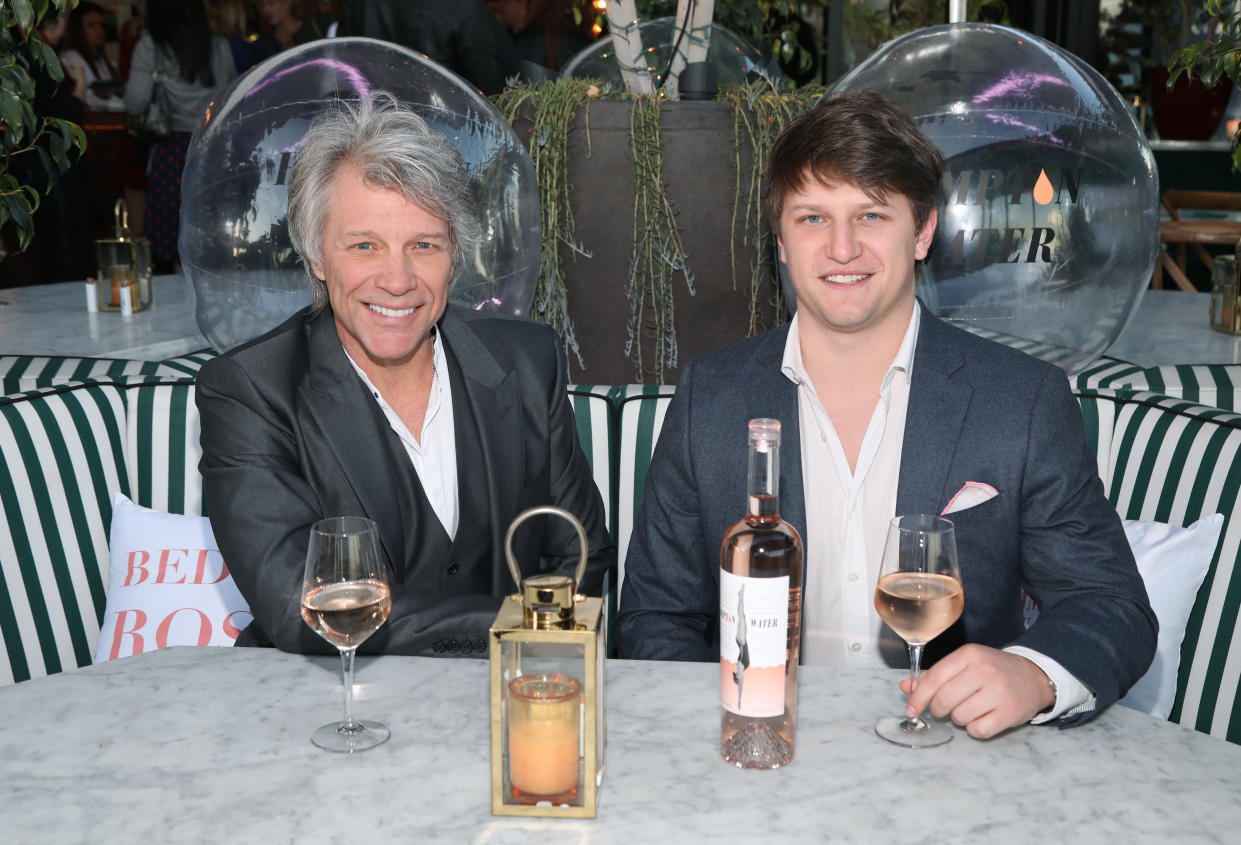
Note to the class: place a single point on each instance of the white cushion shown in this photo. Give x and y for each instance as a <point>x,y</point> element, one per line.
<point>168,585</point>
<point>1173,561</point>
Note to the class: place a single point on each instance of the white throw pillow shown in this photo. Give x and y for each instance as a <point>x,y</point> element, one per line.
<point>168,585</point>
<point>1173,561</point>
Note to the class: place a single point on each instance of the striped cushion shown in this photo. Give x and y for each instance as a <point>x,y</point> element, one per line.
<point>25,372</point>
<point>1174,461</point>
<point>186,365</point>
<point>592,411</point>
<point>1207,384</point>
<point>63,453</point>
<point>1107,373</point>
<point>642,411</point>
<point>162,446</point>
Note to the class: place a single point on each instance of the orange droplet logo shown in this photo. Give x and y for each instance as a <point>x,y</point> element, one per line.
<point>1043,191</point>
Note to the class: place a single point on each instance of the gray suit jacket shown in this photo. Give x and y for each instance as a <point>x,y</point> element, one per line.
<point>978,411</point>
<point>290,435</point>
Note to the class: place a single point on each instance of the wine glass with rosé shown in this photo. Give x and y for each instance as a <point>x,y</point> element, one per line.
<point>345,598</point>
<point>919,595</point>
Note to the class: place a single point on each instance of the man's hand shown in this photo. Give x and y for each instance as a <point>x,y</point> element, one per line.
<point>985,690</point>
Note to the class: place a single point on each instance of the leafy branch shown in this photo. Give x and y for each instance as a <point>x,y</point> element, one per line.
<point>51,142</point>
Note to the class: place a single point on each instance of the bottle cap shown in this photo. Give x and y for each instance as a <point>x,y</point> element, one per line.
<point>765,432</point>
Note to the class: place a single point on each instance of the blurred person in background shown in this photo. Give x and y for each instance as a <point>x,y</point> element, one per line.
<point>461,35</point>
<point>196,65</point>
<point>541,30</point>
<point>84,45</point>
<point>130,165</point>
<point>229,19</point>
<point>287,23</point>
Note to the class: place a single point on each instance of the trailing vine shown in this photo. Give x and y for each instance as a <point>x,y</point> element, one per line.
<point>553,105</point>
<point>760,114</point>
<point>658,249</point>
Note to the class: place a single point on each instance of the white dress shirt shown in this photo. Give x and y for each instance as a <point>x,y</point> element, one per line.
<point>434,453</point>
<point>847,517</point>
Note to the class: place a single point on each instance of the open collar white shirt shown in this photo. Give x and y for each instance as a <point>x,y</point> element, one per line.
<point>847,512</point>
<point>847,517</point>
<point>434,452</point>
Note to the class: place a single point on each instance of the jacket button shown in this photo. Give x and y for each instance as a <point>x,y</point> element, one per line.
<point>452,570</point>
<point>480,646</point>
<point>467,647</point>
<point>452,646</point>
<point>438,646</point>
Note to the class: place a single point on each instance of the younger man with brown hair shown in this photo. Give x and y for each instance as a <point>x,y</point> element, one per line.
<point>888,410</point>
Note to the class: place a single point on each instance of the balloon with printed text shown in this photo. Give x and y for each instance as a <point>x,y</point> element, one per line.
<point>1049,213</point>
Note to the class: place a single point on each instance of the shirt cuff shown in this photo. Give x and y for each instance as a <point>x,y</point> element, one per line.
<point>1072,697</point>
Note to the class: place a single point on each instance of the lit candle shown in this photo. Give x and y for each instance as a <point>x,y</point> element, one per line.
<point>544,735</point>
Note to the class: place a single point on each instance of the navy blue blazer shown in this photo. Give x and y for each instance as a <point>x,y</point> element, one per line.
<point>290,435</point>
<point>978,411</point>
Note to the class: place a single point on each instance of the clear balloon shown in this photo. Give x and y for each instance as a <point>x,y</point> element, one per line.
<point>235,250</point>
<point>1049,215</point>
<point>732,55</point>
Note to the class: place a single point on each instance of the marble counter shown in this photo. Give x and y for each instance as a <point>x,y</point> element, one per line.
<point>1174,327</point>
<point>53,320</point>
<point>197,745</point>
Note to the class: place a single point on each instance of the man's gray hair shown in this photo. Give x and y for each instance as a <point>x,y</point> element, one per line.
<point>394,148</point>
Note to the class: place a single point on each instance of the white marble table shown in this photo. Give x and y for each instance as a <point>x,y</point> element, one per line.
<point>53,320</point>
<point>197,745</point>
<point>1174,327</point>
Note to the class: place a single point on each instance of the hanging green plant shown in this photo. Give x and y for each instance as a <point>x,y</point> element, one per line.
<point>658,262</point>
<point>760,115</point>
<point>658,248</point>
<point>552,107</point>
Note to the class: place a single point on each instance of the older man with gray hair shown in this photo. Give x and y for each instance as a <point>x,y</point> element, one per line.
<point>382,400</point>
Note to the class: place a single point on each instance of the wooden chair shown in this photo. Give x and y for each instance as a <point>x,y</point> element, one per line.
<point>1195,235</point>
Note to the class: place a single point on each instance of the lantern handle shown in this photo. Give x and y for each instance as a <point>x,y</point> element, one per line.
<point>121,212</point>
<point>550,510</point>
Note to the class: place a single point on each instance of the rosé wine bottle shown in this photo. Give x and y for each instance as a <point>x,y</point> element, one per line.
<point>760,617</point>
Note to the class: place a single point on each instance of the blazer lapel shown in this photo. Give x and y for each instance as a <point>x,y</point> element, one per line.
<point>337,400</point>
<point>491,391</point>
<point>938,401</point>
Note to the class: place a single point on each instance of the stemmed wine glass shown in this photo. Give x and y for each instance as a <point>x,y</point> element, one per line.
<point>345,598</point>
<point>919,595</point>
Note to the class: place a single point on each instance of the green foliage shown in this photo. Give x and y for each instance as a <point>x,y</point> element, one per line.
<point>24,134</point>
<point>658,256</point>
<point>1216,57</point>
<point>551,108</point>
<point>773,26</point>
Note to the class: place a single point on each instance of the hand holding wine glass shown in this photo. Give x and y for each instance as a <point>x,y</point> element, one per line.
<point>345,598</point>
<point>919,596</point>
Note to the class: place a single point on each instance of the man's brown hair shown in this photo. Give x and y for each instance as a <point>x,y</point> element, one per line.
<point>860,138</point>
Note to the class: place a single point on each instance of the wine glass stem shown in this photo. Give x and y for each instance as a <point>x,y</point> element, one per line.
<point>346,660</point>
<point>915,667</point>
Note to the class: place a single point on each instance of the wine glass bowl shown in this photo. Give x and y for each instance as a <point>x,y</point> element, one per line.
<point>345,599</point>
<point>919,596</point>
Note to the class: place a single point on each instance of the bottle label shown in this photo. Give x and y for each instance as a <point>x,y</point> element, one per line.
<point>754,623</point>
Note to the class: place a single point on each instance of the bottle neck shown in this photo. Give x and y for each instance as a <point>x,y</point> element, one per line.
<point>763,487</point>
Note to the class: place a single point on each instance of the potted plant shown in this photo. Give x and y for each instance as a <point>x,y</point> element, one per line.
<point>1214,58</point>
<point>1185,107</point>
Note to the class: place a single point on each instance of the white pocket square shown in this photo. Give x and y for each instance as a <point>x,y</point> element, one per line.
<point>971,494</point>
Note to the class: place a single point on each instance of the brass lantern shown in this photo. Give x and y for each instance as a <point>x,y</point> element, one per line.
<point>124,282</point>
<point>546,653</point>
